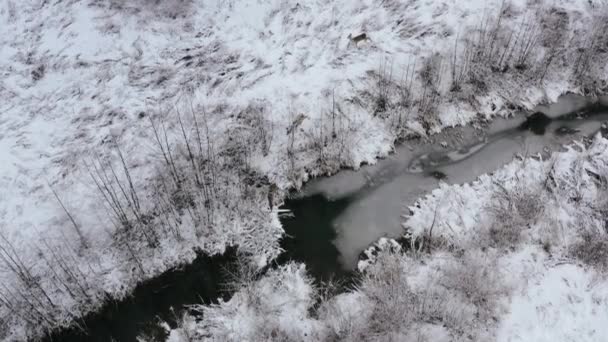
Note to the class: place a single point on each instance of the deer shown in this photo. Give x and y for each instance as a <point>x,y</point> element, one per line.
<point>357,39</point>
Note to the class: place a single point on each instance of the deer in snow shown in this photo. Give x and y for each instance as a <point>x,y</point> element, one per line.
<point>357,39</point>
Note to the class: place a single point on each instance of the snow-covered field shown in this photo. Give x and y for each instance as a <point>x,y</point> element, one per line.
<point>280,93</point>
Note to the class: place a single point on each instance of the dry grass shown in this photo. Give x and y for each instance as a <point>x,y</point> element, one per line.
<point>149,9</point>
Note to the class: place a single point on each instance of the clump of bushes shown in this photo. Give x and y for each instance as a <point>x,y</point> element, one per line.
<point>592,249</point>
<point>459,294</point>
<point>392,299</point>
<point>512,211</point>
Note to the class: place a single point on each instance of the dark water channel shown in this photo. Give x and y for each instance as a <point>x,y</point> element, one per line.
<point>310,236</point>
<point>333,219</point>
<point>161,298</point>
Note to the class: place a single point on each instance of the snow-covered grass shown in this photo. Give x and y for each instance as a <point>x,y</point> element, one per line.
<point>400,297</point>
<point>556,270</point>
<point>275,308</point>
<point>280,94</point>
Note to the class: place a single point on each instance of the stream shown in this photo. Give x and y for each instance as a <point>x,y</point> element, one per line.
<point>332,220</point>
<point>373,201</point>
<point>159,299</point>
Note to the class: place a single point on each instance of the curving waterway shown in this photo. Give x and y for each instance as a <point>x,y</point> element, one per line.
<point>333,219</point>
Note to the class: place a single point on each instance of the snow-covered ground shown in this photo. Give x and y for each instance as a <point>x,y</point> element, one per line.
<point>559,201</point>
<point>283,94</point>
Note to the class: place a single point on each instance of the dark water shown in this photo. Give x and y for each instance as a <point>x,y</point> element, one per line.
<point>310,234</point>
<point>539,122</point>
<point>160,298</point>
<point>309,239</point>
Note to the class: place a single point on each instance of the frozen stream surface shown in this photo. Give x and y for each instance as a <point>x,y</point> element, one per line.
<point>361,206</point>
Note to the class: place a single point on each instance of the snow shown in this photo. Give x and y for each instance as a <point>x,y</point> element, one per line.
<point>107,61</point>
<point>277,306</point>
<point>563,303</point>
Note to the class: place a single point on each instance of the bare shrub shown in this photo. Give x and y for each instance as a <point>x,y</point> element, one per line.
<point>241,274</point>
<point>599,204</point>
<point>475,277</point>
<point>554,24</point>
<point>261,306</point>
<point>592,249</point>
<point>405,92</point>
<point>512,210</point>
<point>343,322</point>
<point>382,87</point>
<point>329,151</point>
<point>256,117</point>
<point>498,45</point>
<point>124,206</point>
<point>431,78</point>
<point>590,51</point>
<point>391,297</point>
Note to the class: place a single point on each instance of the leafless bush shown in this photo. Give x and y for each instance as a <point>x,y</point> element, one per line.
<point>273,332</point>
<point>405,90</point>
<point>197,188</point>
<point>599,204</point>
<point>117,190</point>
<point>293,171</point>
<point>590,51</point>
<point>241,275</point>
<point>38,72</point>
<point>475,277</point>
<point>512,210</point>
<point>263,303</point>
<point>327,138</point>
<point>554,25</point>
<point>592,249</point>
<point>31,296</point>
<point>498,44</point>
<point>83,241</point>
<point>255,116</point>
<point>382,88</point>
<point>391,298</point>
<point>431,78</point>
